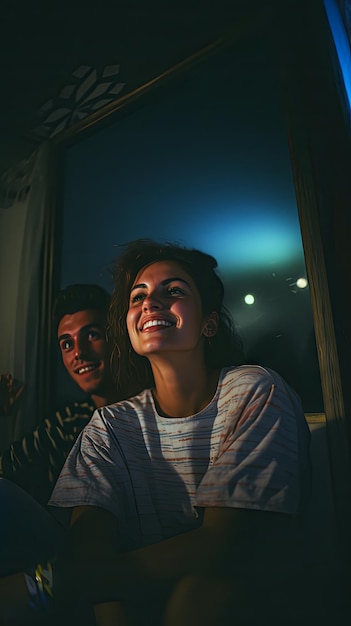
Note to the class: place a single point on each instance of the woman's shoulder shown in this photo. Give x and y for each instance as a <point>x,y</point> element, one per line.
<point>250,378</point>
<point>250,372</point>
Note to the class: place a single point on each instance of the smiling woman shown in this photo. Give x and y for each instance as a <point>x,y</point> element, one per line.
<point>198,477</point>
<point>181,280</point>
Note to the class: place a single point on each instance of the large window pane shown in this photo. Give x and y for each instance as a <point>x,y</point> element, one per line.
<point>204,162</point>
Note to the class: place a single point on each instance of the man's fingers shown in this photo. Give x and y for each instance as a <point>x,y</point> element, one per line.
<point>19,392</point>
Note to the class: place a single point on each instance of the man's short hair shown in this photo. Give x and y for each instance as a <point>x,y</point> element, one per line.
<point>74,298</point>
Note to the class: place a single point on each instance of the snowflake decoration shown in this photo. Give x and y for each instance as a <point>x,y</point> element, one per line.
<point>91,91</point>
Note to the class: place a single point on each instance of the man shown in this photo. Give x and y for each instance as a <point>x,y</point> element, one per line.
<point>80,317</point>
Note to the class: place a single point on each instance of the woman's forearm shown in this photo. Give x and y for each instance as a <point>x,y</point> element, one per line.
<point>147,572</point>
<point>227,537</point>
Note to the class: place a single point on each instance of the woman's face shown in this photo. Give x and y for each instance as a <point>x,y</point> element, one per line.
<point>165,312</point>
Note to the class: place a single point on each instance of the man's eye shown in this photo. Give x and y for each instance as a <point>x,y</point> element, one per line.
<point>66,345</point>
<point>93,334</point>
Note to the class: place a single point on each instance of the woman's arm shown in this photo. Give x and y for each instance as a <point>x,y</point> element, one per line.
<point>229,541</point>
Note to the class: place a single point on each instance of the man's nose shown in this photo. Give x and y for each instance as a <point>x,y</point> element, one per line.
<point>78,351</point>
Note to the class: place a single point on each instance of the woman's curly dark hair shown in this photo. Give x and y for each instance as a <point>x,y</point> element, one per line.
<point>133,372</point>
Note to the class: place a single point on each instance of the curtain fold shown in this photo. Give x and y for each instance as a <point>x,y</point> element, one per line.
<point>24,251</point>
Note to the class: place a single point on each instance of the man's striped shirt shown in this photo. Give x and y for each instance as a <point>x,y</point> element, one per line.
<point>35,461</point>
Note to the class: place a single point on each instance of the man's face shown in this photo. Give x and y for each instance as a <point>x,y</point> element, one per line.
<point>84,349</point>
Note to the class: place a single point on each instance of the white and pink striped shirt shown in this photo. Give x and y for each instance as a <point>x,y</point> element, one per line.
<point>248,448</point>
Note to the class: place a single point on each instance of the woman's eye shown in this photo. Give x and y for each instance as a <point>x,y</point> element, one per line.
<point>175,290</point>
<point>137,297</point>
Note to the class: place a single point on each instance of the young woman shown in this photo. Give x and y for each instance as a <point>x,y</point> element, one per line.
<point>184,495</point>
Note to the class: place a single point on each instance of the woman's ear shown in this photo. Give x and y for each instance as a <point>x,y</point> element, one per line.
<point>211,325</point>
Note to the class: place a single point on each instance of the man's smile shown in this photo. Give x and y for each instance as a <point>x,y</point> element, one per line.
<point>84,369</point>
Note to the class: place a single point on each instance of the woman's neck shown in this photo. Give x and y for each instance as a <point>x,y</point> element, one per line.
<point>181,392</point>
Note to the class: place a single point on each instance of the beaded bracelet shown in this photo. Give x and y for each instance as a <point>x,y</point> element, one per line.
<point>39,583</point>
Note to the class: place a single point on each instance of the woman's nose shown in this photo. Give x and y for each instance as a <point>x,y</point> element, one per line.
<point>152,302</point>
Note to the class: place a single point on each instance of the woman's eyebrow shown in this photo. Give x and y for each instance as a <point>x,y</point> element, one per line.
<point>138,286</point>
<point>164,282</point>
<point>170,280</point>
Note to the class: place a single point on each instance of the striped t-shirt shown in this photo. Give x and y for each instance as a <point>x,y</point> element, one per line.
<point>248,448</point>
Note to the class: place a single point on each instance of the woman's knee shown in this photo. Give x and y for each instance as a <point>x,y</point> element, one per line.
<point>199,600</point>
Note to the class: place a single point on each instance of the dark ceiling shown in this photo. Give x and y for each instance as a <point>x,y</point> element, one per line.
<point>42,43</point>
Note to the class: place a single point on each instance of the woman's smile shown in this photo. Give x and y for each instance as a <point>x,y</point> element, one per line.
<point>155,324</point>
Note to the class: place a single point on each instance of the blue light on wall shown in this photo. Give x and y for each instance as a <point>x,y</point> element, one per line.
<point>342,43</point>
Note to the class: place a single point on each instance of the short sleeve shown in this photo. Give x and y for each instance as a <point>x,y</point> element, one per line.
<point>95,474</point>
<point>258,465</point>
